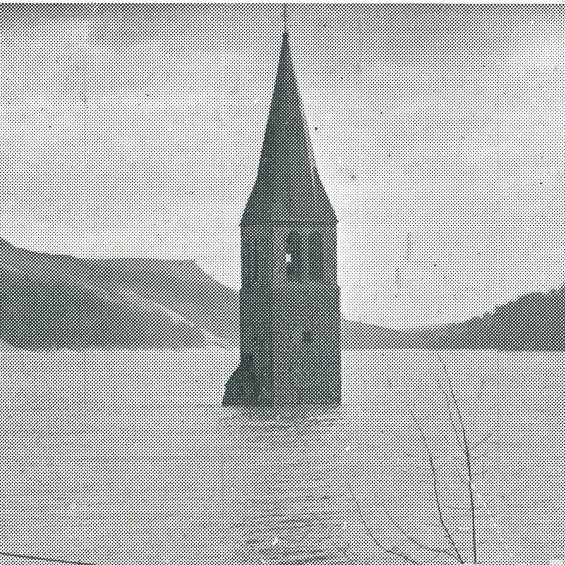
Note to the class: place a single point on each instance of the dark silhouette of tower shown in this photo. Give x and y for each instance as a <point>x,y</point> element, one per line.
<point>289,300</point>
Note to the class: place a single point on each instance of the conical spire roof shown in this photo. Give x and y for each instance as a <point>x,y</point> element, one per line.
<point>288,188</point>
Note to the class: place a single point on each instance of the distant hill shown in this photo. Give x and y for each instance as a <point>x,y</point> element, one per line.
<point>61,301</point>
<point>533,322</point>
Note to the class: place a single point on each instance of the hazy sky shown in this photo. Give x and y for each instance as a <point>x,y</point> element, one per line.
<point>439,134</point>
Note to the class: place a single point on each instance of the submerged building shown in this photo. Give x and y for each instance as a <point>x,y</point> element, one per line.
<point>289,298</point>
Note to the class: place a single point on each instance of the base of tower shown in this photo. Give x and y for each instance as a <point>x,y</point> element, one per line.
<point>241,388</point>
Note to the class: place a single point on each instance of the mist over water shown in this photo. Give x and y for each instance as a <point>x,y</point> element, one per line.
<point>123,457</point>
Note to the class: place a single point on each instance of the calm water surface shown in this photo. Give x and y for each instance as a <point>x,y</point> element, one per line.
<point>127,458</point>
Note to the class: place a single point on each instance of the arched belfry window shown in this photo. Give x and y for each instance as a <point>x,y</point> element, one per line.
<point>292,256</point>
<point>315,257</point>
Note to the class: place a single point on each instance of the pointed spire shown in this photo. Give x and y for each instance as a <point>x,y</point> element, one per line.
<point>288,187</point>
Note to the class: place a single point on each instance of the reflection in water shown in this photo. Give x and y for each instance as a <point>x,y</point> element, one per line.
<point>292,457</point>
<point>136,463</point>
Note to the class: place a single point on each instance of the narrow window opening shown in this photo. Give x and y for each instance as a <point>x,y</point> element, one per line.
<point>307,336</point>
<point>292,256</point>
<point>248,361</point>
<point>246,263</point>
<point>255,260</point>
<point>315,257</point>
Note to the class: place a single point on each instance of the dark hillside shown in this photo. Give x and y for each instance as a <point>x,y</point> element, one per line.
<point>62,301</point>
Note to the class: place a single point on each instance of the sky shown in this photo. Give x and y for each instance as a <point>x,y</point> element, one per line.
<point>439,133</point>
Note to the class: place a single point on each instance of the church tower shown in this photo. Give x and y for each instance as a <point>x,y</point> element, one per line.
<point>289,299</point>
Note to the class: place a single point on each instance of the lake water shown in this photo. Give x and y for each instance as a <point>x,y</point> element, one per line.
<point>127,458</point>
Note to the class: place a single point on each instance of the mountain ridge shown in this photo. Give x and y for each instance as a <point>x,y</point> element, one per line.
<point>49,300</point>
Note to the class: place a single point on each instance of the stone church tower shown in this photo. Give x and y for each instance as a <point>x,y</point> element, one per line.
<point>289,299</point>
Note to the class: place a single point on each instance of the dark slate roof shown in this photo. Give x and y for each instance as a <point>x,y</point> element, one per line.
<point>288,187</point>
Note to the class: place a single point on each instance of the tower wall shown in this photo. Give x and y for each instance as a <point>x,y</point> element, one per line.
<point>290,328</point>
<point>306,346</point>
<point>289,299</point>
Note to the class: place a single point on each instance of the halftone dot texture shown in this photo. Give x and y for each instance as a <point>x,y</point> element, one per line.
<point>134,133</point>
